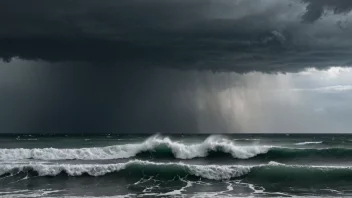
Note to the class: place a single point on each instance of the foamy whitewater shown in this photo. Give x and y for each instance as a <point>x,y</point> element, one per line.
<point>175,166</point>
<point>213,172</point>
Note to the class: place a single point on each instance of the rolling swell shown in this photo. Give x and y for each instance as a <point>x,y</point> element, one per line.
<point>271,172</point>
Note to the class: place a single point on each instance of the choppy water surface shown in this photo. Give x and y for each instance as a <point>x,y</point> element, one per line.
<point>176,166</point>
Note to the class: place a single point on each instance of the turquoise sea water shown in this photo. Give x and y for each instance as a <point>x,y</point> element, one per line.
<point>251,165</point>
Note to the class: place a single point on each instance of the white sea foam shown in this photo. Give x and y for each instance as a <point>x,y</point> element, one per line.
<point>214,172</point>
<point>306,143</point>
<point>28,193</point>
<point>180,150</point>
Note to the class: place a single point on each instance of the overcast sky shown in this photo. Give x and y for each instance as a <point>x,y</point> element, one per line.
<point>185,66</point>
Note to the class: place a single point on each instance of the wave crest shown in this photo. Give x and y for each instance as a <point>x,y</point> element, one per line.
<point>179,150</point>
<point>157,146</point>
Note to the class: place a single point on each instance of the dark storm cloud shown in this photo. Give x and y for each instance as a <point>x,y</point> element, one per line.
<point>233,35</point>
<point>316,8</point>
<point>134,66</point>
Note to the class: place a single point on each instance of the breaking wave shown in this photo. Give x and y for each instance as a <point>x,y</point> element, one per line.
<point>164,147</point>
<point>154,144</point>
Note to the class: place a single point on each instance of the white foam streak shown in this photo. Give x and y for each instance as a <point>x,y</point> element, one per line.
<point>70,169</point>
<point>180,150</point>
<point>306,143</point>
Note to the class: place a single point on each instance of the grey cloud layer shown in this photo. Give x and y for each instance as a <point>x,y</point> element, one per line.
<point>317,8</point>
<point>234,35</point>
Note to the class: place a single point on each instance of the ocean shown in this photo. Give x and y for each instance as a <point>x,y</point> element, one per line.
<point>163,165</point>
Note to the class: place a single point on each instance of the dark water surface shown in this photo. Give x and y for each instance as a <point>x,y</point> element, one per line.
<point>251,165</point>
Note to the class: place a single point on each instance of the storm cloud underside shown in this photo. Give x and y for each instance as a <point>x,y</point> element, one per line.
<point>230,35</point>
